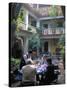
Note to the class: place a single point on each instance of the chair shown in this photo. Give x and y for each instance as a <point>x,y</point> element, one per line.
<point>29,75</point>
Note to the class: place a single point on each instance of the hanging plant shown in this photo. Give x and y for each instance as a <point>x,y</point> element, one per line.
<point>20,18</point>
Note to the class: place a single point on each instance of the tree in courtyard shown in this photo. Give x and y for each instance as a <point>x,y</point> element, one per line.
<point>34,41</point>
<point>62,46</point>
<point>53,11</point>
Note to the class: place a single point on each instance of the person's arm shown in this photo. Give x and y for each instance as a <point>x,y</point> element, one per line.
<point>21,71</point>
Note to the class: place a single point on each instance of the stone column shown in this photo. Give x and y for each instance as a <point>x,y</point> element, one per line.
<point>52,47</point>
<point>22,43</point>
<point>43,46</point>
<point>49,46</point>
<point>37,6</point>
<point>38,24</point>
<point>25,45</point>
<point>49,28</point>
<point>26,19</point>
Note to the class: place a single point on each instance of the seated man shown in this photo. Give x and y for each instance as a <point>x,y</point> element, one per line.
<point>29,73</point>
<point>49,75</point>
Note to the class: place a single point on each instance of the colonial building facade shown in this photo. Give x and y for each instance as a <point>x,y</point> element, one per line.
<point>52,27</point>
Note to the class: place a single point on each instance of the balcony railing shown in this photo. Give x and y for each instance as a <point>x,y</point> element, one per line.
<point>53,31</point>
<point>31,28</point>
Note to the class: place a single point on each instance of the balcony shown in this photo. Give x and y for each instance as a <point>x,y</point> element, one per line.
<point>31,28</point>
<point>53,31</point>
<point>22,27</point>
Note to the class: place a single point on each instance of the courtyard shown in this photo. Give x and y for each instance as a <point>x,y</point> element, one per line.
<point>37,40</point>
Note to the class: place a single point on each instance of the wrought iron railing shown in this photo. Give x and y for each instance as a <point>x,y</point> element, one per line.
<point>53,31</point>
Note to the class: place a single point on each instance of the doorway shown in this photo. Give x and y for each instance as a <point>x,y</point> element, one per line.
<point>46,46</point>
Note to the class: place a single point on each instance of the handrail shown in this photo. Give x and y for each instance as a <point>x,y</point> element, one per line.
<point>56,30</point>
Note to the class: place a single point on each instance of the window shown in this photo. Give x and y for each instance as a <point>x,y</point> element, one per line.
<point>33,23</point>
<point>45,25</point>
<point>59,24</point>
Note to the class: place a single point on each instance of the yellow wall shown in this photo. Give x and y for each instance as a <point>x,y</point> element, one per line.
<point>52,46</point>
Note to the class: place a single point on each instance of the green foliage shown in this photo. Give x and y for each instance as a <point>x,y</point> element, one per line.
<point>15,63</point>
<point>53,11</point>
<point>34,41</point>
<point>39,31</point>
<point>61,44</point>
<point>62,40</point>
<point>20,18</point>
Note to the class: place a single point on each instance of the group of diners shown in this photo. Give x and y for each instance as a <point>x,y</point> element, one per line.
<point>36,72</point>
<point>32,70</point>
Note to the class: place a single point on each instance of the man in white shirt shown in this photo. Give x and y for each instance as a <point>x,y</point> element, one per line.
<point>29,72</point>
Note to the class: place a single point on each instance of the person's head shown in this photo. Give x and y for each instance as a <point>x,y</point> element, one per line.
<point>45,57</point>
<point>49,61</point>
<point>29,54</point>
<point>25,57</point>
